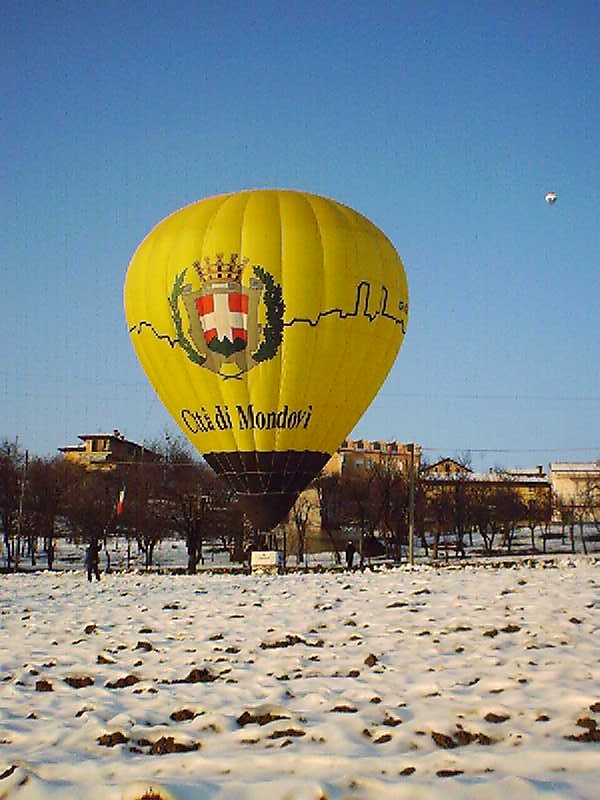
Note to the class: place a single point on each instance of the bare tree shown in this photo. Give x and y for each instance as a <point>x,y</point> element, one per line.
<point>465,459</point>
<point>11,469</point>
<point>359,498</point>
<point>440,514</point>
<point>539,514</point>
<point>566,513</point>
<point>391,495</point>
<point>46,488</point>
<point>593,504</point>
<point>300,516</point>
<point>329,493</point>
<point>462,512</point>
<point>204,510</point>
<point>184,490</point>
<point>485,519</point>
<point>510,510</point>
<point>586,509</point>
<point>89,502</point>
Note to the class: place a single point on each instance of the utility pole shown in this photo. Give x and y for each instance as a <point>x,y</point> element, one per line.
<point>411,505</point>
<point>20,509</point>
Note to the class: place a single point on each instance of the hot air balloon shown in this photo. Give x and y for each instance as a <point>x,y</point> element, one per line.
<point>266,321</point>
<point>551,198</point>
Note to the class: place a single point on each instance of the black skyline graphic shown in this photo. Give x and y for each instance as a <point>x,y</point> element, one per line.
<point>361,309</point>
<point>363,291</point>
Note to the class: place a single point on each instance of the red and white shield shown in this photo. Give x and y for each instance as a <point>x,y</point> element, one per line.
<point>224,315</point>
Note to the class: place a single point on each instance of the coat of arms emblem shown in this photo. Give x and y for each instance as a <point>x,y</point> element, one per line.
<point>225,335</point>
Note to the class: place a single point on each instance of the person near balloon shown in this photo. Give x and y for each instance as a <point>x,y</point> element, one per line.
<point>92,560</point>
<point>350,553</point>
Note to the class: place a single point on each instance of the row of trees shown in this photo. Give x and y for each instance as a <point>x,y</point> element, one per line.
<point>42,499</point>
<point>376,507</point>
<point>454,514</point>
<point>177,496</point>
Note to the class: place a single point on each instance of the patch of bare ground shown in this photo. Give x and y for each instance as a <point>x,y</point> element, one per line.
<point>247,718</point>
<point>163,746</point>
<point>197,675</point>
<point>290,641</point>
<point>183,715</point>
<point>144,645</point>
<point>286,733</point>
<point>460,738</point>
<point>168,744</point>
<point>390,721</point>
<point>123,683</point>
<point>511,628</point>
<point>79,681</point>
<point>496,718</point>
<point>112,739</point>
<point>590,734</point>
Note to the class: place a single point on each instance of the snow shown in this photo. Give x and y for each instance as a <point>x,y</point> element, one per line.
<point>455,682</point>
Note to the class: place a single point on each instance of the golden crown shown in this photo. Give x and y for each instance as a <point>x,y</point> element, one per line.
<point>220,270</point>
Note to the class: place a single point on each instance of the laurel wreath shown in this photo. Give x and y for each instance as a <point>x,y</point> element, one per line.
<point>185,343</point>
<point>272,332</point>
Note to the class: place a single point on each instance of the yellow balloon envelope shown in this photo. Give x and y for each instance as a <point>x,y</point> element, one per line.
<point>266,321</point>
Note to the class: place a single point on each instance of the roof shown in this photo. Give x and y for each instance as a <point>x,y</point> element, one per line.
<point>115,436</point>
<point>526,472</point>
<point>376,445</point>
<point>432,467</point>
<point>485,477</point>
<point>574,466</point>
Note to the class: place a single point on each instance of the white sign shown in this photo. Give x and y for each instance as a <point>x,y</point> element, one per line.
<point>266,560</point>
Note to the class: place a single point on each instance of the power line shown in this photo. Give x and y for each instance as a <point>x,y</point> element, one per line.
<point>487,450</point>
<point>517,397</point>
<point>142,384</point>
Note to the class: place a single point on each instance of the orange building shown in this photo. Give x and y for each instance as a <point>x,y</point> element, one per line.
<point>355,457</point>
<point>104,451</point>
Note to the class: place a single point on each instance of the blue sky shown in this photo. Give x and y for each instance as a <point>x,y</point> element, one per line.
<point>444,123</point>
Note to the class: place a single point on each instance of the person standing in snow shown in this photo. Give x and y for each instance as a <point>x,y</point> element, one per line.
<point>92,560</point>
<point>350,551</point>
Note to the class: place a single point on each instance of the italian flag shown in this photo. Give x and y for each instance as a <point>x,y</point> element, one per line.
<point>121,500</point>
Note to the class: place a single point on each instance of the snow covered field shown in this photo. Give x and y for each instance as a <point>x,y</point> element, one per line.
<point>462,682</point>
